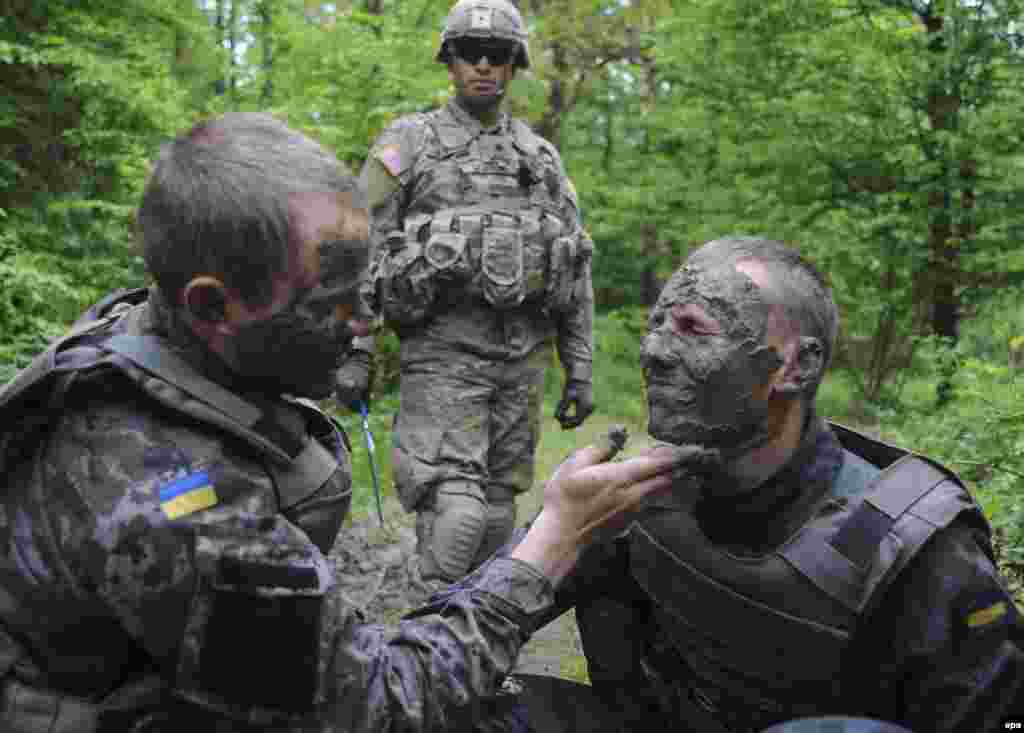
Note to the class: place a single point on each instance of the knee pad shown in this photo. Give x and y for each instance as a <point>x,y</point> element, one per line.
<point>458,524</point>
<point>501,520</point>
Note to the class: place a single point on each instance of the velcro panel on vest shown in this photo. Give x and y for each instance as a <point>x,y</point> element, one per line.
<point>770,639</point>
<point>935,510</point>
<point>812,555</point>
<point>450,134</point>
<point>897,489</point>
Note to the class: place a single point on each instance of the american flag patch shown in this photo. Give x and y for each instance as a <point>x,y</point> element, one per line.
<point>391,158</point>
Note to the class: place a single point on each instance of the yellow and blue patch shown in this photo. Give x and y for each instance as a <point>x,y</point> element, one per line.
<point>187,495</point>
<point>988,610</point>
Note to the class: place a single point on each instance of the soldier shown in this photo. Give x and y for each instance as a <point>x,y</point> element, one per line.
<point>815,571</point>
<point>167,506</point>
<point>482,265</point>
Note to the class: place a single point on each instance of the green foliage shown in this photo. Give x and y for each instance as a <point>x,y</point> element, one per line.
<point>92,91</point>
<point>888,151</point>
<point>347,76</point>
<point>381,415</point>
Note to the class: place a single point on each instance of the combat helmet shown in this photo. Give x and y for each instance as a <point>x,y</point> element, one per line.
<point>498,19</point>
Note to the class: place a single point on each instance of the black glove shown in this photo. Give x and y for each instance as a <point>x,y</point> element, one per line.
<point>579,395</point>
<point>352,380</point>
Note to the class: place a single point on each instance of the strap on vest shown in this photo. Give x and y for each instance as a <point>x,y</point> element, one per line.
<point>308,471</point>
<point>875,451</point>
<point>897,489</point>
<point>103,307</point>
<point>853,564</point>
<point>148,353</point>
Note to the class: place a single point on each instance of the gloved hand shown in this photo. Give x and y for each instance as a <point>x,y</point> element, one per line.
<point>352,380</point>
<point>578,395</point>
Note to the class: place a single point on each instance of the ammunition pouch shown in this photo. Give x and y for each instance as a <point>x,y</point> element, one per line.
<point>504,258</point>
<point>501,266</point>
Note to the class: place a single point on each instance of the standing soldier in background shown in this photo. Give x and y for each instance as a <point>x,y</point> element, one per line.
<point>482,266</point>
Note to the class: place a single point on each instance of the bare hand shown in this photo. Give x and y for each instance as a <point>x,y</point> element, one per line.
<point>587,497</point>
<point>590,496</point>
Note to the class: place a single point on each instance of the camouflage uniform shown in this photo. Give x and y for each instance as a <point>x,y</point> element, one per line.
<point>932,643</point>
<point>160,568</point>
<point>481,266</point>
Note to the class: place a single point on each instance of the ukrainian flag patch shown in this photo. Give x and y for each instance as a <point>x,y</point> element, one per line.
<point>187,495</point>
<point>988,610</point>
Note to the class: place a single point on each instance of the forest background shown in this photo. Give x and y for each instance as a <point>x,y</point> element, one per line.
<point>883,137</point>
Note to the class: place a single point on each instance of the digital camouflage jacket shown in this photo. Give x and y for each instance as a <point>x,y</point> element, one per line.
<point>155,570</point>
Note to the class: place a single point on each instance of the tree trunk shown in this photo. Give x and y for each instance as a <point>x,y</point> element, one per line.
<point>232,51</point>
<point>650,284</point>
<point>266,14</point>
<point>550,125</point>
<point>219,85</point>
<point>943,108</point>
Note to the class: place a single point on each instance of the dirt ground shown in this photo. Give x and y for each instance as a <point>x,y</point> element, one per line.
<point>372,567</point>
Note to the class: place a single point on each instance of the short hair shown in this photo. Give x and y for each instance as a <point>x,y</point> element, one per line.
<point>795,286</point>
<point>217,202</point>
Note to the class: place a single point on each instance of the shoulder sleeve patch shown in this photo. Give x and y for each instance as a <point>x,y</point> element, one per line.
<point>390,157</point>
<point>187,494</point>
<point>988,610</point>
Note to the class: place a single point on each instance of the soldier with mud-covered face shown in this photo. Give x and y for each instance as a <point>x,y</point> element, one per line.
<point>810,571</point>
<point>735,352</point>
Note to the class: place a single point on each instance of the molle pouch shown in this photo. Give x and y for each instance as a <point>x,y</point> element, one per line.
<point>407,288</point>
<point>551,227</point>
<point>501,263</point>
<point>561,282</point>
<point>535,256</point>
<point>446,253</point>
<point>256,595</point>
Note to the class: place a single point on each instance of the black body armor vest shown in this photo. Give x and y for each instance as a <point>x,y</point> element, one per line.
<point>751,641</point>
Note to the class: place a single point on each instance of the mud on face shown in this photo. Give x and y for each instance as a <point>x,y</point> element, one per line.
<point>706,360</point>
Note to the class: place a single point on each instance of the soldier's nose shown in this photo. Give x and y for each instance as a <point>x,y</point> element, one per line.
<point>654,352</point>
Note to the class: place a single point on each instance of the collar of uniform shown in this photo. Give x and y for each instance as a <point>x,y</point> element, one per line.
<point>764,518</point>
<point>165,323</point>
<point>464,118</point>
<point>282,423</point>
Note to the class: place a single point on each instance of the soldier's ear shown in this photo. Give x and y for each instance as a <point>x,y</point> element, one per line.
<point>205,300</point>
<point>804,368</point>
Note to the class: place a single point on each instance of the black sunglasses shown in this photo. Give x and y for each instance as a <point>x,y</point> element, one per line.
<point>471,51</point>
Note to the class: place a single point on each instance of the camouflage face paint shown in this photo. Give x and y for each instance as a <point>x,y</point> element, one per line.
<point>298,349</point>
<point>703,375</point>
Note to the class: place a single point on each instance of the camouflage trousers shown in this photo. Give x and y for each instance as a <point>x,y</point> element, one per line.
<point>467,429</point>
